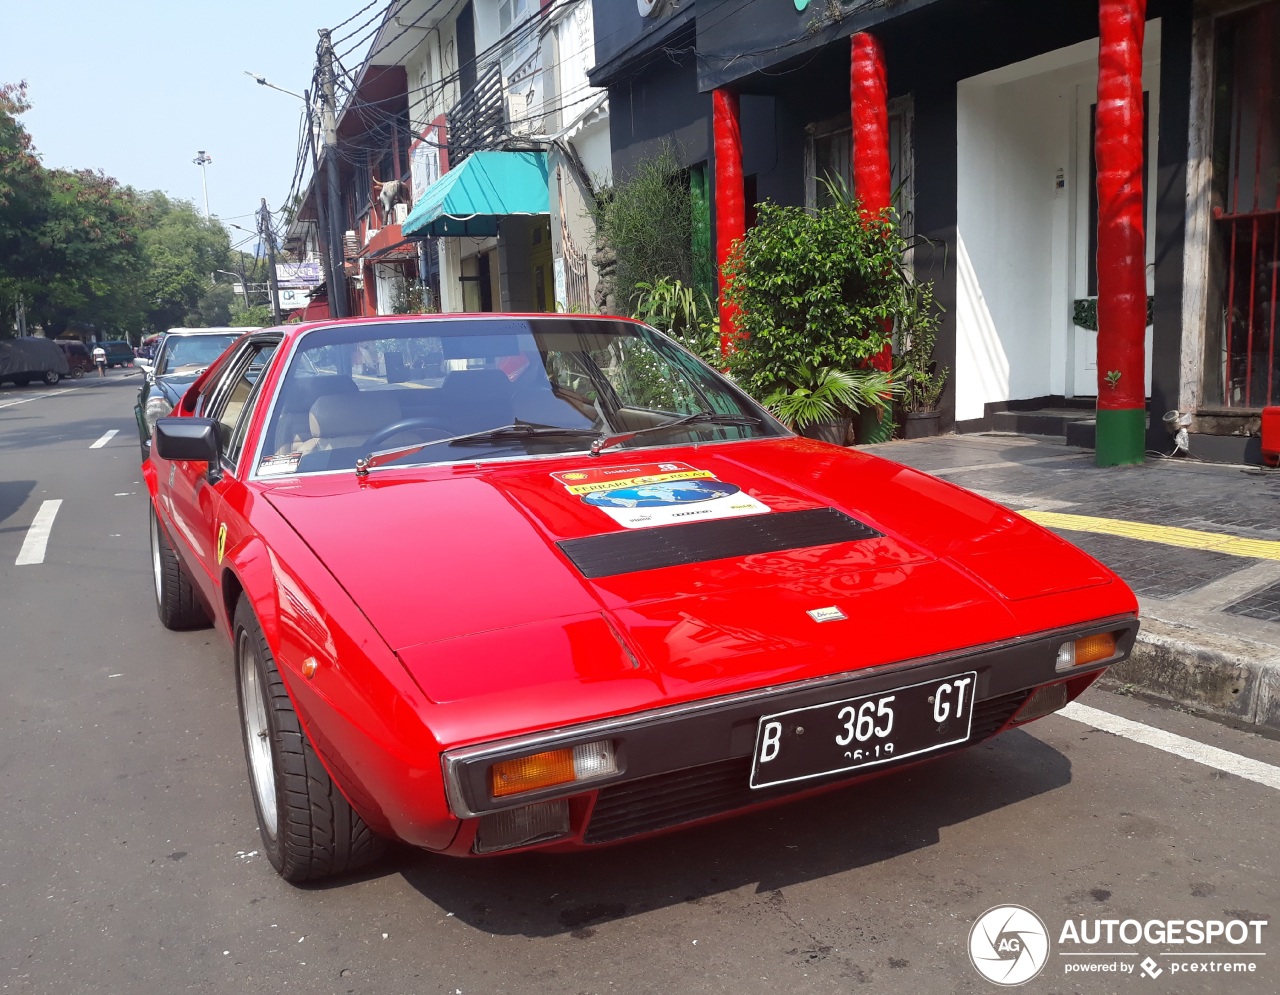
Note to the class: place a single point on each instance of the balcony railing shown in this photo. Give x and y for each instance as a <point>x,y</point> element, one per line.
<point>479,120</point>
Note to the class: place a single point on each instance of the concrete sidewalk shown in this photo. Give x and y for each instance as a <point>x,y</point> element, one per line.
<point>1198,542</point>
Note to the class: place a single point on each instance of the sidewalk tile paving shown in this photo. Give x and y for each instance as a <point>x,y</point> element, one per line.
<point>1196,541</point>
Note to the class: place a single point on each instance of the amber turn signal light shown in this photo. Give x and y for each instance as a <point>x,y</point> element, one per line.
<point>542,770</point>
<point>545,770</point>
<point>1088,649</point>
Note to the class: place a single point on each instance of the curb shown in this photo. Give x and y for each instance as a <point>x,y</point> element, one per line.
<point>1231,677</point>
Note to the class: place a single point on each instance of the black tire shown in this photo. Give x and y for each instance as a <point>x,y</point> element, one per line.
<point>51,377</point>
<point>309,830</point>
<point>176,600</point>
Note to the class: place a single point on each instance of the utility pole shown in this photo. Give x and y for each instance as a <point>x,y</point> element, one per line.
<point>264,229</point>
<point>323,235</point>
<point>329,122</point>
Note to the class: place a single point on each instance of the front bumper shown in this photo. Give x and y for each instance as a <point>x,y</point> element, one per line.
<point>686,763</point>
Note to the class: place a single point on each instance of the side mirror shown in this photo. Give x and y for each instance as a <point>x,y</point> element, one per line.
<point>189,439</point>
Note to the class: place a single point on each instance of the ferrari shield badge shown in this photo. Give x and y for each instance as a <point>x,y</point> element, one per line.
<point>649,494</point>
<point>222,541</point>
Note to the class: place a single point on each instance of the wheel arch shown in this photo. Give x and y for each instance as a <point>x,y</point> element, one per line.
<point>247,572</point>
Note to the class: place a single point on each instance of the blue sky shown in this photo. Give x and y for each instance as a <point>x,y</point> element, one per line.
<point>137,88</point>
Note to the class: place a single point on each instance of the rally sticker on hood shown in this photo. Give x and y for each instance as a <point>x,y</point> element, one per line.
<point>640,497</point>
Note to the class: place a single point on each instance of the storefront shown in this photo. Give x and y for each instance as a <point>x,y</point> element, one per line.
<point>992,112</point>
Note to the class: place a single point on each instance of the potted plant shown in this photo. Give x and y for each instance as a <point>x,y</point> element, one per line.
<point>916,371</point>
<point>815,293</point>
<point>819,402</point>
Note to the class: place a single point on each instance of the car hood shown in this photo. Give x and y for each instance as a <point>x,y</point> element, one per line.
<point>467,571</point>
<point>173,386</point>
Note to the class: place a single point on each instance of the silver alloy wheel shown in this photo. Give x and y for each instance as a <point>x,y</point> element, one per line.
<point>257,733</point>
<point>157,566</point>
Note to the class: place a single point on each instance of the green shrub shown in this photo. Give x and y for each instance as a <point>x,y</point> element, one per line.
<point>690,318</point>
<point>645,219</point>
<point>814,290</point>
<point>411,297</point>
<point>916,331</point>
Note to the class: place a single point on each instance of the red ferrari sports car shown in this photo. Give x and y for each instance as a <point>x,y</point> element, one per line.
<point>502,582</point>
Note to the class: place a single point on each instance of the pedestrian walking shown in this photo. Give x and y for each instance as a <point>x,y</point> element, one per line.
<point>100,358</point>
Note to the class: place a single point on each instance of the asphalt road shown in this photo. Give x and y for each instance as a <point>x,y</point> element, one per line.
<point>129,857</point>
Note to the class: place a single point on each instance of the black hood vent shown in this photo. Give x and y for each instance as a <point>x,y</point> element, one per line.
<point>678,545</point>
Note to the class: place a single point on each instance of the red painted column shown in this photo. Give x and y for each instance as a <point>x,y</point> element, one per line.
<point>869,98</point>
<point>1122,243</point>
<point>731,216</point>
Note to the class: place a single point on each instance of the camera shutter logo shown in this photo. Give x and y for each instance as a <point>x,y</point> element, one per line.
<point>1009,945</point>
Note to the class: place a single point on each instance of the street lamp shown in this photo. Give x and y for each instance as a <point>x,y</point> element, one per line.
<point>262,81</point>
<point>244,284</point>
<point>203,159</point>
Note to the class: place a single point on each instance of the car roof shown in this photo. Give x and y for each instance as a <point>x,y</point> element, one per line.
<point>481,317</point>
<point>212,330</point>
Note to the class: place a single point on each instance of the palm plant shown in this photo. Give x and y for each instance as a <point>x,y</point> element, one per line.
<point>811,395</point>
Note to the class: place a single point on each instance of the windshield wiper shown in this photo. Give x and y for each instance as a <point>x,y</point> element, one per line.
<point>697,418</point>
<point>505,433</point>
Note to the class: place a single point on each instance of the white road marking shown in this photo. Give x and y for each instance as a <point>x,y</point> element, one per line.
<point>105,439</point>
<point>1179,746</point>
<point>33,546</point>
<point>34,397</point>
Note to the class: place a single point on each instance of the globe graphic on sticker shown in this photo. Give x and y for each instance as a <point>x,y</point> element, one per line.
<point>662,495</point>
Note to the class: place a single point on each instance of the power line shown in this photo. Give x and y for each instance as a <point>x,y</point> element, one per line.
<point>343,24</point>
<point>511,38</point>
<point>355,151</point>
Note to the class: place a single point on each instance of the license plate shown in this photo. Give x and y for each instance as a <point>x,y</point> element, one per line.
<point>859,732</point>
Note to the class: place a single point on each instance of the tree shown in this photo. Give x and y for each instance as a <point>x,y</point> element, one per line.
<point>90,256</point>
<point>258,316</point>
<point>214,307</point>
<point>81,250</point>
<point>24,200</point>
<point>183,249</point>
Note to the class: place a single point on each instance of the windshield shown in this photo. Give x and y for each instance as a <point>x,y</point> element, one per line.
<point>189,353</point>
<point>480,389</point>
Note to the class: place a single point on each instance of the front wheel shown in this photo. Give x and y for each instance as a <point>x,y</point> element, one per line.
<point>176,600</point>
<point>309,830</point>
<point>77,373</point>
<point>51,377</point>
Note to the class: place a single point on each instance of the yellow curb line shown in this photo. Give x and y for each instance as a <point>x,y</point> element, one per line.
<point>1214,542</point>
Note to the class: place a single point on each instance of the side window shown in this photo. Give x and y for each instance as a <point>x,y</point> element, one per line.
<point>233,403</point>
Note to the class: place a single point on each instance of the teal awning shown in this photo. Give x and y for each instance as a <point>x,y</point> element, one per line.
<point>472,198</point>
